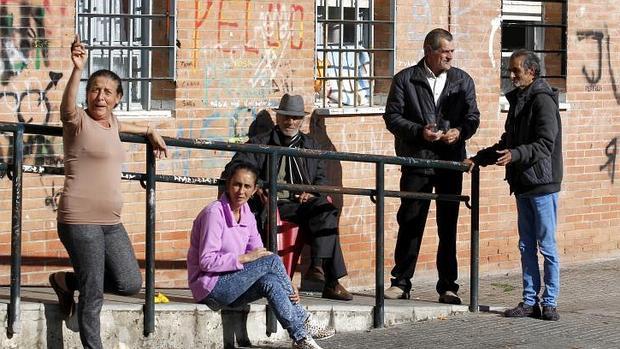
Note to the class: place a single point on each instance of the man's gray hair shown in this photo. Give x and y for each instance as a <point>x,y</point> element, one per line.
<point>530,60</point>
<point>433,38</point>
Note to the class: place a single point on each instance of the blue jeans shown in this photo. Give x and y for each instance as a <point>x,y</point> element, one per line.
<point>264,277</point>
<point>537,225</point>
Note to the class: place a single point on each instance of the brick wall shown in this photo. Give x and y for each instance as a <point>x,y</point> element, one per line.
<point>235,59</point>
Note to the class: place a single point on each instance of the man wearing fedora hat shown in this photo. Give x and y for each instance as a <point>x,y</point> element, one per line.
<point>313,212</point>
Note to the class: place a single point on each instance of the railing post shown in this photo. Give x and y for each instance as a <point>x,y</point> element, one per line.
<point>14,322</point>
<point>475,237</point>
<point>149,294</point>
<point>272,238</point>
<point>379,246</point>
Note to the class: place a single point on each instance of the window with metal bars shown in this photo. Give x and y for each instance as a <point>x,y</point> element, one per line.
<point>135,39</point>
<point>354,52</point>
<point>538,26</point>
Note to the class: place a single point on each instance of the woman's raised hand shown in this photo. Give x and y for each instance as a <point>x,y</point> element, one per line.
<point>79,54</point>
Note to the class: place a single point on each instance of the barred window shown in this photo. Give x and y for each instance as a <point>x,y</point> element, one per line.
<point>354,52</point>
<point>538,26</point>
<point>135,39</point>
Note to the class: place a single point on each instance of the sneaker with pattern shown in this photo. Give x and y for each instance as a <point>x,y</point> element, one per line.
<point>317,331</point>
<point>306,343</point>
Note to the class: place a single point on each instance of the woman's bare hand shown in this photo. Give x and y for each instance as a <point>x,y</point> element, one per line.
<point>253,255</point>
<point>79,54</point>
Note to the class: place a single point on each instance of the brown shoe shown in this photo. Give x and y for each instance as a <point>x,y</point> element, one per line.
<point>315,274</point>
<point>337,292</point>
<point>65,297</point>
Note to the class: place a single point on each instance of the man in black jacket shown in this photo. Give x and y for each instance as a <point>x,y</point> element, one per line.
<point>531,151</point>
<point>432,111</point>
<point>313,212</point>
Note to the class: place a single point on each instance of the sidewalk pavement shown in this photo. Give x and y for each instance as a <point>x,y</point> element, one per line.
<point>590,318</point>
<point>589,307</point>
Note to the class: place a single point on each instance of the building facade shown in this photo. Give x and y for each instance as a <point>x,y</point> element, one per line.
<point>214,69</point>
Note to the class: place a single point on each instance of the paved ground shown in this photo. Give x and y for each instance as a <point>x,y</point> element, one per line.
<point>589,309</point>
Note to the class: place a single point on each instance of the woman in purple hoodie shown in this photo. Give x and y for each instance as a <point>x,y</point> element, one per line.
<point>227,264</point>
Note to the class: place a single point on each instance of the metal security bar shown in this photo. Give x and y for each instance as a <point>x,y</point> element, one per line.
<point>541,27</point>
<point>119,37</point>
<point>150,178</point>
<point>347,54</point>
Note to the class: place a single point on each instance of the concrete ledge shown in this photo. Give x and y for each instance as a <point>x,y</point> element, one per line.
<point>182,325</point>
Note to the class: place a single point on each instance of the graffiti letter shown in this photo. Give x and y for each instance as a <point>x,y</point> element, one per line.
<point>247,46</point>
<point>598,36</point>
<point>300,9</point>
<point>610,151</point>
<point>220,24</point>
<point>197,24</point>
<point>273,25</point>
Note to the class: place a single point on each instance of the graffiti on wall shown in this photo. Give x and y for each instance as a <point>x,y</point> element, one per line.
<point>24,51</point>
<point>601,41</point>
<point>611,150</point>
<point>254,43</point>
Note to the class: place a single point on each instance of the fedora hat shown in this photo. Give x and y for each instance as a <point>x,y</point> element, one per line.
<point>291,106</point>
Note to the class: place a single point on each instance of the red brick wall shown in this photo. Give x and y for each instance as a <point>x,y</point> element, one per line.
<point>237,58</point>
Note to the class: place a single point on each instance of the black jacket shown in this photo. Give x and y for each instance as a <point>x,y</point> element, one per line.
<point>533,133</point>
<point>315,168</point>
<point>410,106</point>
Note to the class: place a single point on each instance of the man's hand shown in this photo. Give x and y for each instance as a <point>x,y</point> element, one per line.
<point>294,297</point>
<point>263,195</point>
<point>470,164</point>
<point>451,136</point>
<point>253,255</point>
<point>430,134</point>
<point>304,197</point>
<point>505,157</point>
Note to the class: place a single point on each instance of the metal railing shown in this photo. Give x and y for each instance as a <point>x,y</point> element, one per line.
<point>149,179</point>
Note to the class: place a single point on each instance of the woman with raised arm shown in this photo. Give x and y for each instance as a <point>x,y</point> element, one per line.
<point>89,212</point>
<point>227,264</point>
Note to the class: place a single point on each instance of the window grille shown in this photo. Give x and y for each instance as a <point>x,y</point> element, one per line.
<point>538,26</point>
<point>354,52</point>
<point>135,39</point>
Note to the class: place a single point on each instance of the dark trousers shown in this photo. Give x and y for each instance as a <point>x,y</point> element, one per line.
<point>103,259</point>
<point>318,221</point>
<point>411,219</point>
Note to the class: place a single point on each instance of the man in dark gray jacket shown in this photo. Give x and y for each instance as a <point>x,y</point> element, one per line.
<point>531,151</point>
<point>313,212</point>
<point>432,111</point>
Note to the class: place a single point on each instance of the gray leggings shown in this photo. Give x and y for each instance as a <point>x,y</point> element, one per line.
<point>103,259</point>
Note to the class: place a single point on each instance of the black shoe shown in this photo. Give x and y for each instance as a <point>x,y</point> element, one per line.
<point>450,297</point>
<point>65,297</point>
<point>524,310</point>
<point>550,313</point>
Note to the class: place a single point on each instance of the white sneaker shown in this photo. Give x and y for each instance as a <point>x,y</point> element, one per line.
<point>306,343</point>
<point>316,331</point>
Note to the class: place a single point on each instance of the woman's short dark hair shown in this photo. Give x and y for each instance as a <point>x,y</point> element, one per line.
<point>107,74</point>
<point>242,165</point>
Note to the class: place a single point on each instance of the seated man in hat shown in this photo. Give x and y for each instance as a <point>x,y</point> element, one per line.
<point>316,216</point>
